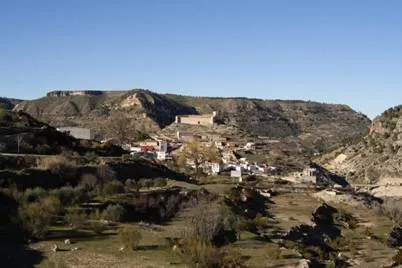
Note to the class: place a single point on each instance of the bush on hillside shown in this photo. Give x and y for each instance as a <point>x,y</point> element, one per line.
<point>194,252</point>
<point>32,195</point>
<point>105,173</point>
<point>393,209</point>
<point>97,227</point>
<point>76,218</point>
<point>130,236</point>
<point>71,196</point>
<point>36,217</point>
<point>56,164</point>
<point>114,213</point>
<point>397,258</point>
<point>89,180</point>
<point>113,187</point>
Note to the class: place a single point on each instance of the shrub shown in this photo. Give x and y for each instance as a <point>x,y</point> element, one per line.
<point>71,196</point>
<point>37,216</point>
<point>114,213</point>
<point>194,252</point>
<point>130,237</point>
<point>76,218</point>
<point>160,182</point>
<point>125,157</point>
<point>97,227</point>
<point>393,209</point>
<point>56,164</point>
<point>397,259</point>
<point>113,187</point>
<point>51,205</point>
<point>89,180</point>
<point>105,173</point>
<point>346,218</point>
<point>395,237</point>
<point>131,185</point>
<point>32,195</point>
<point>258,224</point>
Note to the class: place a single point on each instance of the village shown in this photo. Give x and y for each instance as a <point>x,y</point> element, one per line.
<point>230,161</point>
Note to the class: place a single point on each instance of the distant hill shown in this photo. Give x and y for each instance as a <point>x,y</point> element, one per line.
<point>142,110</point>
<point>21,133</point>
<point>316,125</point>
<point>374,158</point>
<point>8,103</point>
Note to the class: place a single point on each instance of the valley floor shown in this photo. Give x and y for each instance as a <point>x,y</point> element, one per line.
<point>364,246</point>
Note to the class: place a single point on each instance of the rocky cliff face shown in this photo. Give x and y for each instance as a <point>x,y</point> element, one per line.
<point>316,125</point>
<point>375,158</point>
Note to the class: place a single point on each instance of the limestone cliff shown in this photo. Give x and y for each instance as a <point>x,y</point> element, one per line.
<point>375,158</point>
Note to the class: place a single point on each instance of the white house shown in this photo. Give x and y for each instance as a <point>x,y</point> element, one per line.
<point>237,174</point>
<point>161,155</point>
<point>216,168</point>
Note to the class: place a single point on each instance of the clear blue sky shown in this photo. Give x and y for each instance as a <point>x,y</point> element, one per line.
<point>336,51</point>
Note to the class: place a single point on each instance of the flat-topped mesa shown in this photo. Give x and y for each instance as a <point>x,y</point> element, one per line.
<point>204,119</point>
<point>63,93</point>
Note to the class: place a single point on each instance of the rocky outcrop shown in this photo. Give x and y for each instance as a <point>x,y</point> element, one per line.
<point>374,158</point>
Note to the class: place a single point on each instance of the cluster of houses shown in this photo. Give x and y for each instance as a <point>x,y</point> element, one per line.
<point>162,150</point>
<point>231,162</point>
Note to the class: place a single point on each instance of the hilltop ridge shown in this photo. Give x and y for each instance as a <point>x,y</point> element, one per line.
<point>316,125</point>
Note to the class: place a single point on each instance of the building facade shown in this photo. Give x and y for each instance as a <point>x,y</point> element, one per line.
<point>205,120</point>
<point>78,132</point>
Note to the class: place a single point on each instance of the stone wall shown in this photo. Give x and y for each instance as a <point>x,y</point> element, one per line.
<point>205,120</point>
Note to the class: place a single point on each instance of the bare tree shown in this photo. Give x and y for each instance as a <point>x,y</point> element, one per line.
<point>120,126</point>
<point>206,222</point>
<point>198,153</point>
<point>19,138</point>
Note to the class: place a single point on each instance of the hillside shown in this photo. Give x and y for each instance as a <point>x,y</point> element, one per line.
<point>141,110</point>
<point>376,157</point>
<point>21,133</point>
<point>8,103</point>
<point>317,125</point>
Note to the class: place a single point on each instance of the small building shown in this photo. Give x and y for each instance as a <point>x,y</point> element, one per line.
<point>236,174</point>
<point>152,143</point>
<point>216,168</point>
<point>78,132</point>
<point>135,149</point>
<point>163,146</point>
<point>308,175</point>
<point>161,156</point>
